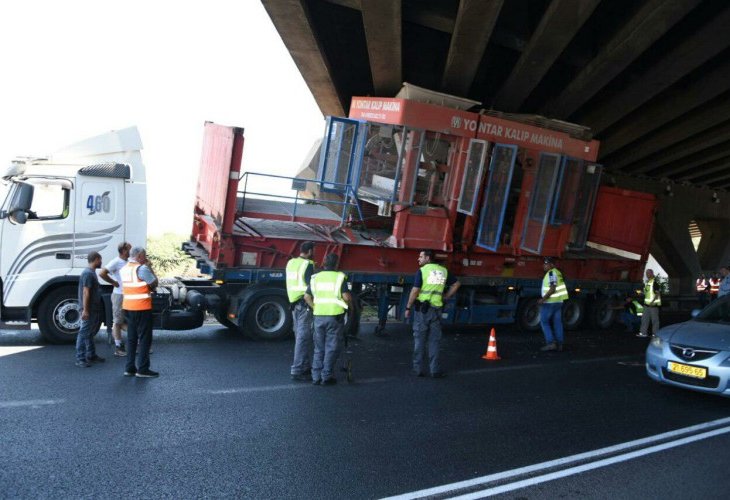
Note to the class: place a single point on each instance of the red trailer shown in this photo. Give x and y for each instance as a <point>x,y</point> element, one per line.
<point>492,193</point>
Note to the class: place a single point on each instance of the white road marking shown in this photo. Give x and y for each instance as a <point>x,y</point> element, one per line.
<point>33,403</point>
<point>595,454</point>
<point>591,466</point>
<point>8,350</point>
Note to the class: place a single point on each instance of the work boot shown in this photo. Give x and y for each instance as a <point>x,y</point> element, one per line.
<point>552,346</point>
<point>300,377</point>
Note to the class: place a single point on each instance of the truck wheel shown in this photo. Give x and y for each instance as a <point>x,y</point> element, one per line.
<point>528,315</point>
<point>352,327</point>
<point>602,315</point>
<point>573,314</point>
<point>59,316</point>
<point>269,318</point>
<point>221,317</point>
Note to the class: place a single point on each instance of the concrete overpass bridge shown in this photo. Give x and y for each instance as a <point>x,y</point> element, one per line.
<point>650,77</point>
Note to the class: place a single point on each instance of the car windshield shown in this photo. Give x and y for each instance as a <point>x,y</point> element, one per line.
<point>717,312</point>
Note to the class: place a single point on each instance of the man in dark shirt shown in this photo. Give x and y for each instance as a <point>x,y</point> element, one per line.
<point>90,305</point>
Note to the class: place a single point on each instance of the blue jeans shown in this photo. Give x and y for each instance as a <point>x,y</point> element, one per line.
<point>139,340</point>
<point>551,320</point>
<point>426,334</point>
<point>85,348</point>
<point>631,321</point>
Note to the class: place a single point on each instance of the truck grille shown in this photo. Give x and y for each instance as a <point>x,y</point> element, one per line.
<point>709,382</point>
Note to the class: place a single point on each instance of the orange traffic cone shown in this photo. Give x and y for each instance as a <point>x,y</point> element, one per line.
<point>491,354</point>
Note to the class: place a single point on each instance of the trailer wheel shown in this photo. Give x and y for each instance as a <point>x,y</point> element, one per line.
<point>573,313</point>
<point>269,318</point>
<point>59,316</point>
<point>352,326</point>
<point>528,314</point>
<point>602,315</point>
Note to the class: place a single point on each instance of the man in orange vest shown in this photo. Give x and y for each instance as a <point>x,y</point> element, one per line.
<point>702,286</point>
<point>714,286</point>
<point>138,283</point>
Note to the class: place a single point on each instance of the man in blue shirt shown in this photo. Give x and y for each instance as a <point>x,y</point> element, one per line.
<point>90,304</point>
<point>724,282</point>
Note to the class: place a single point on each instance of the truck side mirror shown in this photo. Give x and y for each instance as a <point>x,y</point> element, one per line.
<point>20,205</point>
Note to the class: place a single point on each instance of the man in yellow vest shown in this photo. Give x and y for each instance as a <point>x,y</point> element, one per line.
<point>554,293</point>
<point>652,301</point>
<point>138,283</point>
<point>298,273</point>
<point>427,297</point>
<point>329,298</point>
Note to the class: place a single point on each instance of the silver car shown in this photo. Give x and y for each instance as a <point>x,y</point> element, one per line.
<point>694,354</point>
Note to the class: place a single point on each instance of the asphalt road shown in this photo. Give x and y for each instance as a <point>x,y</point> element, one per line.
<point>225,420</point>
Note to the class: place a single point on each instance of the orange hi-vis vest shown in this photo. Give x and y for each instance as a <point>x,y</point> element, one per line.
<point>137,296</point>
<point>714,286</point>
<point>701,285</point>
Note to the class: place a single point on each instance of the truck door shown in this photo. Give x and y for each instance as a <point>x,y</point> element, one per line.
<point>541,202</point>
<point>100,220</point>
<point>501,169</point>
<point>41,249</point>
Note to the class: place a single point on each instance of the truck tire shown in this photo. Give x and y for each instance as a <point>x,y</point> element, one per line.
<point>352,326</point>
<point>59,316</point>
<point>269,318</point>
<point>573,314</point>
<point>221,314</point>
<point>602,315</point>
<point>528,314</point>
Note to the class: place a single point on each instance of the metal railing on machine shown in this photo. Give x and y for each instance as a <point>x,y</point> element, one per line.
<point>298,185</point>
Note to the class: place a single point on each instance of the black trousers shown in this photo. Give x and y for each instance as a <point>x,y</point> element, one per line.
<point>139,340</point>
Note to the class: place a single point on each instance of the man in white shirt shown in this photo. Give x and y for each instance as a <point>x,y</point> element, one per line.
<point>110,274</point>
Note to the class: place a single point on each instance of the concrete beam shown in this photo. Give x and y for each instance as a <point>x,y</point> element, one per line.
<point>686,169</point>
<point>689,55</point>
<point>711,166</point>
<point>657,114</point>
<point>649,24</point>
<point>291,19</point>
<point>475,21</point>
<point>382,22</point>
<point>692,124</point>
<point>684,149</point>
<point>558,26</point>
<point>719,179</point>
<point>714,244</point>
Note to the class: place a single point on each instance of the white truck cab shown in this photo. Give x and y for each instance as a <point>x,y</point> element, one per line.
<point>55,210</point>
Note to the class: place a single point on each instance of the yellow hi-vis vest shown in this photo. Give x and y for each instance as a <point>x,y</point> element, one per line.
<point>561,291</point>
<point>295,284</point>
<point>639,307</point>
<point>326,286</point>
<point>649,298</point>
<point>136,292</point>
<point>433,278</point>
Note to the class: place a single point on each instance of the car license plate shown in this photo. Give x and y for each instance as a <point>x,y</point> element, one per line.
<point>690,371</point>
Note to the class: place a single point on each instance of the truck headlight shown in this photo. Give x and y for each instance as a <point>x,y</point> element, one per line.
<point>657,341</point>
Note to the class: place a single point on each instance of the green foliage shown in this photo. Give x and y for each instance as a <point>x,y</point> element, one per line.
<point>168,260</point>
<point>663,283</point>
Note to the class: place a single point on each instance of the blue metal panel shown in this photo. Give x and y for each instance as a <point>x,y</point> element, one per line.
<point>495,197</point>
<point>567,191</point>
<point>334,162</point>
<point>543,191</point>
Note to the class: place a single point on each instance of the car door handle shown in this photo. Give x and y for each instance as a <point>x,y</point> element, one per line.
<point>63,256</point>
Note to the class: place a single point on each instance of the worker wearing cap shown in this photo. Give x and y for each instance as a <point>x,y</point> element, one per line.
<point>329,298</point>
<point>652,302</point>
<point>554,293</point>
<point>427,297</point>
<point>298,274</point>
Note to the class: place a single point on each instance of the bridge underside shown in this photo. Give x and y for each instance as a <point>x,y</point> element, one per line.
<point>651,78</point>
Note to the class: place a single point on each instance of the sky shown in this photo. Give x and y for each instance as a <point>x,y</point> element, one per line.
<point>77,68</point>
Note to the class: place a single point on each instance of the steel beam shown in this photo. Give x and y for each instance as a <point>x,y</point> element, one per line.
<point>692,124</point>
<point>291,19</point>
<point>689,55</point>
<point>475,21</point>
<point>382,22</point>
<point>657,114</point>
<point>558,26</point>
<point>649,24</point>
<point>698,144</point>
